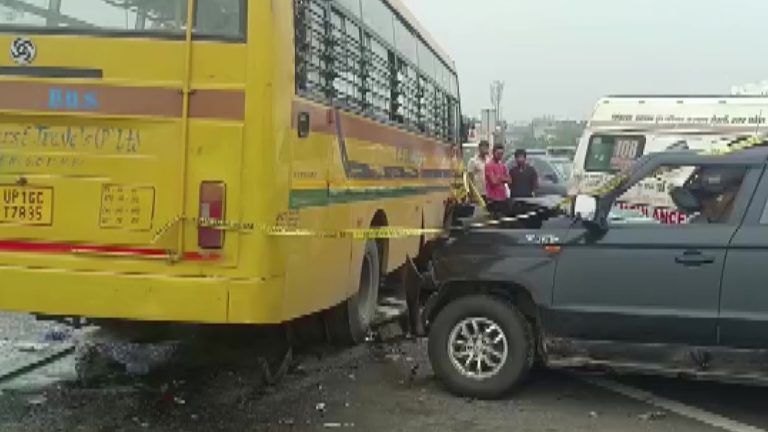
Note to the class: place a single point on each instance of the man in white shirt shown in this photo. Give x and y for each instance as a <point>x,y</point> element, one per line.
<point>476,167</point>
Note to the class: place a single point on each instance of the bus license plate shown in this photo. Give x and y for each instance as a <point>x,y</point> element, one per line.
<point>26,205</point>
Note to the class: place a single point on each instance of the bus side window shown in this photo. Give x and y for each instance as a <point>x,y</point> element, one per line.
<point>221,18</point>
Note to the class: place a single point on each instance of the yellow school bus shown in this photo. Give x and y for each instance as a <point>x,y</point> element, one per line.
<point>147,164</point>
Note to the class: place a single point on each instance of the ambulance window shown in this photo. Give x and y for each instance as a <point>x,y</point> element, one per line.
<point>613,153</point>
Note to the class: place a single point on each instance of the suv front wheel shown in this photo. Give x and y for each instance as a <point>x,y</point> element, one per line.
<point>481,346</point>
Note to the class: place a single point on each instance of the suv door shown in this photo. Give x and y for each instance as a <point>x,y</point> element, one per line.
<point>648,282</point>
<point>743,321</point>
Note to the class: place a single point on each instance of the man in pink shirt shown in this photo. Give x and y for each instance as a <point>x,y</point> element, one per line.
<point>496,180</point>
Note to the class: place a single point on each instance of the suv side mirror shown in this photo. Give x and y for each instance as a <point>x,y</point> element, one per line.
<point>551,178</point>
<point>585,206</point>
<point>685,201</point>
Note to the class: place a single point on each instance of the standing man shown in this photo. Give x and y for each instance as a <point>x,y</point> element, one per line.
<point>496,179</point>
<point>476,168</point>
<point>523,179</point>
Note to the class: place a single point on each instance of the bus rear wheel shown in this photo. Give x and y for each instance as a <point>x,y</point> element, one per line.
<point>349,322</point>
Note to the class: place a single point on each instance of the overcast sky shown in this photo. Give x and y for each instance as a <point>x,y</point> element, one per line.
<point>558,56</point>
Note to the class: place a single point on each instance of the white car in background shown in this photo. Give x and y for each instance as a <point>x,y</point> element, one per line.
<point>624,128</point>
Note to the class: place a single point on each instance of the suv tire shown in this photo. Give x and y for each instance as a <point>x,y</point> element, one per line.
<point>484,328</point>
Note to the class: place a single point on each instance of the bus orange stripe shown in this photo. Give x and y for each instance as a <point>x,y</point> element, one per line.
<point>113,100</point>
<point>221,104</point>
<point>54,248</point>
<point>357,127</point>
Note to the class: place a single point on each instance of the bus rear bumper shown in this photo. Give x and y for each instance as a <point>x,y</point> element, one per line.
<point>212,300</point>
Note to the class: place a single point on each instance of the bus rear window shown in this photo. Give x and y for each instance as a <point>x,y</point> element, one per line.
<point>162,18</point>
<point>613,153</point>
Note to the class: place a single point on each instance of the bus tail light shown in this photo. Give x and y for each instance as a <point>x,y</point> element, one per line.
<point>212,195</point>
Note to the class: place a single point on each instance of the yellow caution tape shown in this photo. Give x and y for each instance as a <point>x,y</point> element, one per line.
<point>469,190</point>
<point>473,192</point>
<point>282,231</point>
<point>357,234</point>
<point>160,232</point>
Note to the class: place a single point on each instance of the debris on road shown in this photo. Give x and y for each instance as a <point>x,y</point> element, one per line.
<point>320,407</point>
<point>388,333</point>
<point>57,335</point>
<point>653,415</point>
<point>100,347</point>
<point>299,369</point>
<point>413,373</point>
<point>37,400</point>
<point>31,347</point>
<point>336,425</point>
<point>392,357</point>
<point>593,414</point>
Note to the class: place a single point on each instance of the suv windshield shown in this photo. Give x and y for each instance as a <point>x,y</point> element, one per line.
<point>214,18</point>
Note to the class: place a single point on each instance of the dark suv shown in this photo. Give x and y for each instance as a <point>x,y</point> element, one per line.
<point>689,298</point>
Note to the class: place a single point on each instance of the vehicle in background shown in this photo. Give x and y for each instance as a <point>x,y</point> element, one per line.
<point>137,182</point>
<point>561,152</point>
<point>552,178</point>
<point>509,154</point>
<point>534,152</point>
<point>564,165</point>
<point>468,151</point>
<point>624,128</point>
<point>612,289</point>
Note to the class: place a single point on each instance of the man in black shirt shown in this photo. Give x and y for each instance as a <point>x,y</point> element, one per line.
<point>523,179</point>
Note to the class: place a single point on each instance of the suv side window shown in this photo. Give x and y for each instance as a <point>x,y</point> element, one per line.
<point>682,195</point>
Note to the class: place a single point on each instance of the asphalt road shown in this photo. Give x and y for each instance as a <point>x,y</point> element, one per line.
<point>397,392</point>
<point>377,387</point>
<point>745,404</point>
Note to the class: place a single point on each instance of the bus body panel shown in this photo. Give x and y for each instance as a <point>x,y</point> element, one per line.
<point>99,142</point>
<point>324,198</point>
<point>242,132</point>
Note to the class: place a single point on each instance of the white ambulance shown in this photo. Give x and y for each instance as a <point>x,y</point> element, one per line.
<point>624,128</point>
